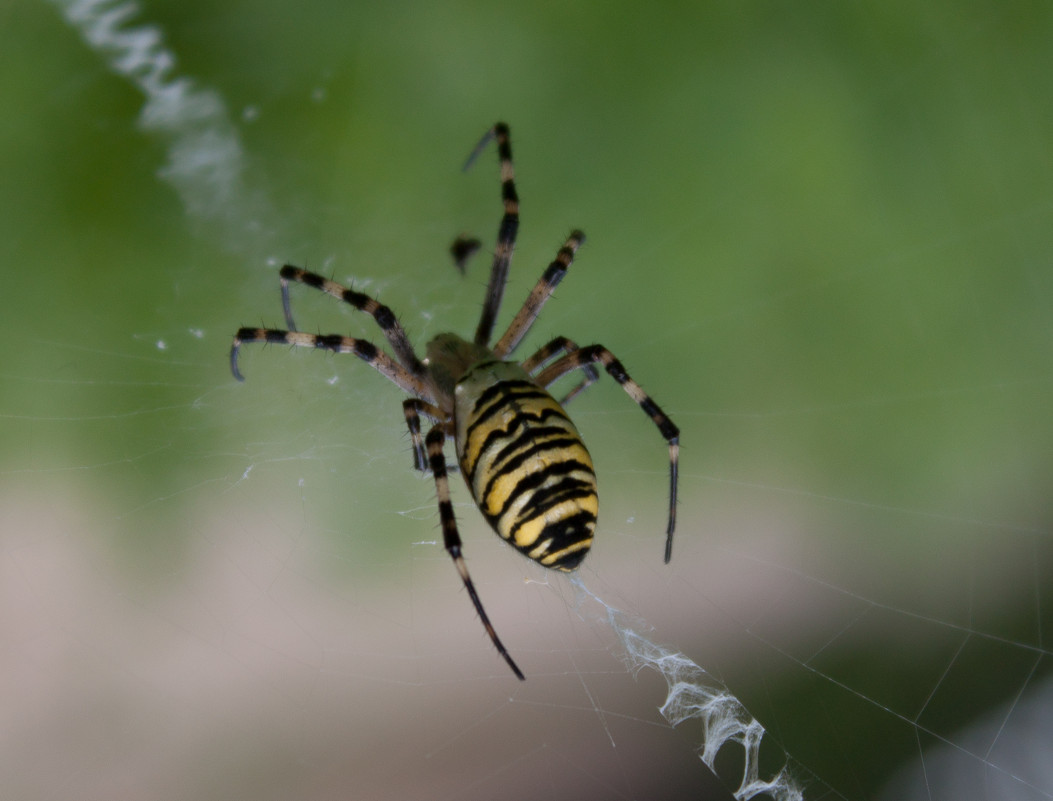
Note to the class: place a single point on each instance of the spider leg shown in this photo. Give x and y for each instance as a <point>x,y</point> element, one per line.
<point>452,540</point>
<point>366,351</point>
<point>385,318</point>
<point>562,346</point>
<point>506,232</point>
<point>413,408</point>
<point>577,359</point>
<point>539,296</point>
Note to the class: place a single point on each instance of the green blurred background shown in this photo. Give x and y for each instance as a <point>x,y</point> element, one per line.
<point>819,236</point>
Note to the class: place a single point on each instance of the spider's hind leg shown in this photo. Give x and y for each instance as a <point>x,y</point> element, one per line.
<point>561,346</point>
<point>578,359</point>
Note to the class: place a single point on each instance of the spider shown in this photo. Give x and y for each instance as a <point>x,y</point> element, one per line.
<point>521,456</point>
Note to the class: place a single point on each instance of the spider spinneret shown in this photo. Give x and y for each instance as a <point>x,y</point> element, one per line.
<point>522,458</point>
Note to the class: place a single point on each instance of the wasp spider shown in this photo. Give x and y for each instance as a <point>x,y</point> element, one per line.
<point>521,456</point>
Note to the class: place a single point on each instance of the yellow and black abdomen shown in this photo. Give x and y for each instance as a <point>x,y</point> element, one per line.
<point>525,464</point>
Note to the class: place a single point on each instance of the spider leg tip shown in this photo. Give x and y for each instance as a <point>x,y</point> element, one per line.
<point>234,360</point>
<point>487,137</point>
<point>514,666</point>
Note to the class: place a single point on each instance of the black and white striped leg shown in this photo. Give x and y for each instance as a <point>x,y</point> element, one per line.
<point>506,232</point>
<point>366,351</point>
<point>539,296</point>
<point>385,318</point>
<point>452,540</point>
<point>413,408</point>
<point>575,360</point>
<point>558,347</point>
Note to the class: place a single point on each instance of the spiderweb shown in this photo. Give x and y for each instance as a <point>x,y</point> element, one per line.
<point>223,592</point>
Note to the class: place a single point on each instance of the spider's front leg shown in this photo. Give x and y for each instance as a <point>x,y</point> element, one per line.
<point>539,296</point>
<point>385,318</point>
<point>506,232</point>
<point>452,539</point>
<point>366,351</point>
